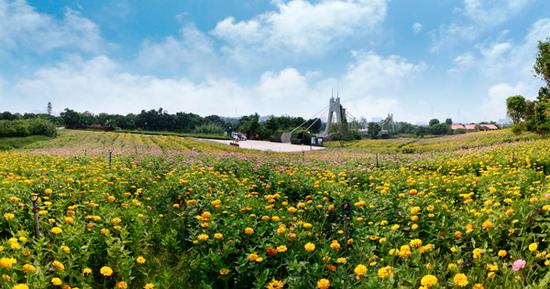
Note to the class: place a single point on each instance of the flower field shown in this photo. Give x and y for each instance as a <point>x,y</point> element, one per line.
<point>475,219</point>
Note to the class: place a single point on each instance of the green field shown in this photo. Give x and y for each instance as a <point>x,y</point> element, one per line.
<point>438,144</point>
<point>176,212</point>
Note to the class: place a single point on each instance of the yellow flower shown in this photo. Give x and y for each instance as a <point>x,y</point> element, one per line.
<point>323,284</point>
<point>501,253</point>
<point>7,262</point>
<point>106,271</point>
<point>487,224</point>
<point>28,268</point>
<point>122,285</point>
<point>415,210</point>
<point>249,231</point>
<point>149,286</point>
<point>335,245</point>
<point>428,281</point>
<point>476,253</point>
<point>224,271</point>
<point>56,281</point>
<point>218,236</point>
<point>58,265</point>
<point>385,272</point>
<point>360,270</point>
<point>275,284</point>
<point>310,247</point>
<point>415,243</point>
<point>253,257</point>
<point>460,280</point>
<point>20,286</point>
<point>140,260</point>
<point>86,271</point>
<point>341,260</point>
<point>9,216</point>
<point>56,230</point>
<point>533,246</point>
<point>281,249</point>
<point>478,286</point>
<point>404,252</point>
<point>202,237</point>
<point>469,228</point>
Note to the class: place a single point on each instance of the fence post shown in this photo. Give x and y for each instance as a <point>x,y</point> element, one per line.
<point>513,156</point>
<point>345,219</point>
<point>303,155</point>
<point>377,160</point>
<point>110,159</point>
<point>34,199</point>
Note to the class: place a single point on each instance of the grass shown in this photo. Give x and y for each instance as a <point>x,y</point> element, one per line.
<point>169,133</point>
<point>7,143</point>
<point>437,144</point>
<point>71,142</point>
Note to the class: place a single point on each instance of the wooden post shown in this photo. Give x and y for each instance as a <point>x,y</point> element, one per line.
<point>345,219</point>
<point>110,159</point>
<point>513,156</point>
<point>34,199</point>
<point>303,155</point>
<point>376,160</point>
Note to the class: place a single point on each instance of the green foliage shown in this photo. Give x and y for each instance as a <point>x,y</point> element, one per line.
<point>27,127</point>
<point>209,128</point>
<point>373,129</point>
<point>433,122</point>
<point>542,62</point>
<point>516,107</point>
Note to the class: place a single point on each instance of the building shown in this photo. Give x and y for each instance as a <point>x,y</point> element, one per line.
<point>487,126</point>
<point>456,126</point>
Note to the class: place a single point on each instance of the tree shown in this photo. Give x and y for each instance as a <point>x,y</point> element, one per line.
<point>449,121</point>
<point>434,121</point>
<point>516,107</point>
<point>542,62</point>
<point>373,129</point>
<point>49,109</point>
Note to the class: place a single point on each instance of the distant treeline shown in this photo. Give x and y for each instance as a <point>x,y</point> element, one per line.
<point>27,127</point>
<point>160,120</point>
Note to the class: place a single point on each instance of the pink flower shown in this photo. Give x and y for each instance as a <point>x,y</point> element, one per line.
<point>518,264</point>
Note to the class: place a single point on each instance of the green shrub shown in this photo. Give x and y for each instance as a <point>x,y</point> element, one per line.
<point>27,127</point>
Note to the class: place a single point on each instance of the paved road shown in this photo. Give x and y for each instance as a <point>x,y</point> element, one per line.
<point>270,146</point>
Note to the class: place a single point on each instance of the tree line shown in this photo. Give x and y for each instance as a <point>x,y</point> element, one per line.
<point>534,115</point>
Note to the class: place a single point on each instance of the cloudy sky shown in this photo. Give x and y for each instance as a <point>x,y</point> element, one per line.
<point>416,59</point>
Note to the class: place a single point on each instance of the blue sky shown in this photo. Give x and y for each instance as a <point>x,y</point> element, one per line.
<point>416,59</point>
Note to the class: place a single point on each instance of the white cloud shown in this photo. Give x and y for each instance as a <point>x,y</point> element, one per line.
<point>505,60</point>
<point>23,28</point>
<point>480,15</point>
<point>494,105</point>
<point>416,27</point>
<point>192,52</point>
<point>493,12</point>
<point>301,26</point>
<point>102,85</point>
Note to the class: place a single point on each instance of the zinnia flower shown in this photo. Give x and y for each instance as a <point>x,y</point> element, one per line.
<point>428,281</point>
<point>310,247</point>
<point>323,284</point>
<point>56,281</point>
<point>275,284</point>
<point>360,270</point>
<point>461,279</point>
<point>106,271</point>
<point>518,265</point>
<point>385,272</point>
